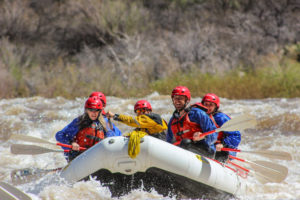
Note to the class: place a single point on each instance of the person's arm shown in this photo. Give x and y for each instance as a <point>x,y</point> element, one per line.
<point>169,136</point>
<point>141,121</point>
<point>125,119</point>
<point>206,125</point>
<point>152,122</point>
<point>67,134</point>
<point>116,130</point>
<point>111,132</point>
<point>128,120</point>
<point>231,139</point>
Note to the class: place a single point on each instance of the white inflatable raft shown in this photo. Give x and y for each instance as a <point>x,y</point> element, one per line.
<point>112,154</point>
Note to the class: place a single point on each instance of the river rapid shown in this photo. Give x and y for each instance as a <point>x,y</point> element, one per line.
<point>278,129</point>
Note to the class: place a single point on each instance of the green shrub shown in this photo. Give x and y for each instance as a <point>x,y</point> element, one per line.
<point>264,82</point>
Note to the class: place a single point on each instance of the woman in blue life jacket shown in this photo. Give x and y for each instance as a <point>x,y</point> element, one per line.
<point>86,130</point>
<point>188,123</point>
<point>225,139</point>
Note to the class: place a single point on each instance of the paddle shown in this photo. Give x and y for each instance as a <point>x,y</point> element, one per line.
<point>247,171</point>
<point>25,149</point>
<point>266,153</point>
<point>28,138</point>
<point>238,123</point>
<point>266,171</point>
<point>110,124</point>
<point>235,170</point>
<point>241,122</point>
<point>9,192</point>
<point>261,178</point>
<point>21,176</point>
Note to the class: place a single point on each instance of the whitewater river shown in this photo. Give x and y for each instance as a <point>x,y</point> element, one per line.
<point>278,129</point>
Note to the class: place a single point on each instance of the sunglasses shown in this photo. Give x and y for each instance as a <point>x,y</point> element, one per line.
<point>141,110</point>
<point>94,110</point>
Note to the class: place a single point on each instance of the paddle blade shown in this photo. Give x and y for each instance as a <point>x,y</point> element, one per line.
<point>263,178</point>
<point>238,123</point>
<point>28,138</point>
<point>24,149</point>
<point>21,176</point>
<point>270,172</point>
<point>9,192</point>
<point>273,154</point>
<point>266,153</point>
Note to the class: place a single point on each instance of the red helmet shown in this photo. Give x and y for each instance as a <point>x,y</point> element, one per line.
<point>182,91</point>
<point>101,96</point>
<point>211,98</point>
<point>142,104</point>
<point>94,103</point>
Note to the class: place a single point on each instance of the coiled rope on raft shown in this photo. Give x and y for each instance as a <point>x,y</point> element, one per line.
<point>134,143</point>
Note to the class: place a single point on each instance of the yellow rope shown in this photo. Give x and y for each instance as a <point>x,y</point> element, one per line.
<point>134,143</point>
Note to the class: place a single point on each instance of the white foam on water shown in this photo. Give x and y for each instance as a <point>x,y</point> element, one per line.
<point>278,129</point>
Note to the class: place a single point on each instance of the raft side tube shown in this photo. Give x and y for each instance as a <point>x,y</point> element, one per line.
<point>112,154</point>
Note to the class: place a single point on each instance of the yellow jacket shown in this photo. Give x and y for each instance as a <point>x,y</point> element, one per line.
<point>145,124</point>
<point>150,123</point>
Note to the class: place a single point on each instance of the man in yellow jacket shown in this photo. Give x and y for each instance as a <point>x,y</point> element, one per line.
<point>146,123</point>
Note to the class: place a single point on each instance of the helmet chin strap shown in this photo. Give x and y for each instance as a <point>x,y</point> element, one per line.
<point>184,107</point>
<point>186,104</point>
<point>215,111</point>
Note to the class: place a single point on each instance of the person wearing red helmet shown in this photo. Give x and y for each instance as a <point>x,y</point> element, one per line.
<point>225,139</point>
<point>212,98</point>
<point>189,122</point>
<point>86,130</point>
<point>115,131</point>
<point>102,97</point>
<point>145,121</point>
<point>142,106</point>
